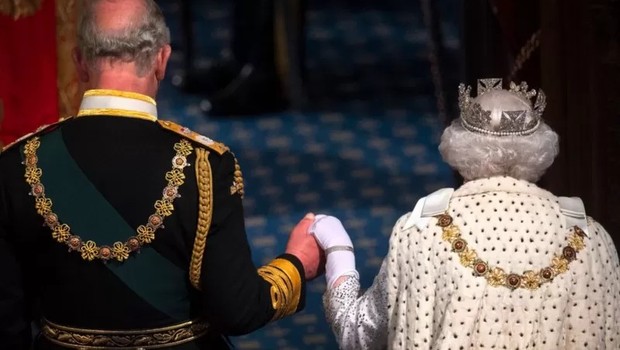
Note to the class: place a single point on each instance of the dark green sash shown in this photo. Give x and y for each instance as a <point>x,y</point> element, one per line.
<point>78,203</point>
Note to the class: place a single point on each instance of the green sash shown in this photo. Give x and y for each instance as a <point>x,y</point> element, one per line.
<point>78,203</point>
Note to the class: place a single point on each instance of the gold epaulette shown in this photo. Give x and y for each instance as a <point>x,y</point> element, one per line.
<point>40,130</point>
<point>220,148</point>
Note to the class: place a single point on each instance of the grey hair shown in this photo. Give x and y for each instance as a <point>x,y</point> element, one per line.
<point>138,42</point>
<point>475,155</point>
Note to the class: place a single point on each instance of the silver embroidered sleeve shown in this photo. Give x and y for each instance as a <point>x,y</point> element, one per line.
<point>358,321</point>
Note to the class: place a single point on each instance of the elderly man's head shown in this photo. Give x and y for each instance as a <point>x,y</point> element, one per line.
<point>115,34</point>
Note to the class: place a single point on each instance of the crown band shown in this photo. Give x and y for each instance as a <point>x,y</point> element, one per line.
<point>500,133</point>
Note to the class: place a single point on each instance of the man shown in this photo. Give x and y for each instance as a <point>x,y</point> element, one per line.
<point>497,263</point>
<point>127,231</point>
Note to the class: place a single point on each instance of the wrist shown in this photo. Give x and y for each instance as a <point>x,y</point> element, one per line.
<point>297,262</point>
<point>303,262</point>
<point>339,263</point>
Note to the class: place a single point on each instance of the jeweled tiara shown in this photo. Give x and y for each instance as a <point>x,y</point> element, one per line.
<point>520,122</point>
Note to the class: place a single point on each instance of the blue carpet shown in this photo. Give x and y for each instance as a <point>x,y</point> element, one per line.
<point>364,151</point>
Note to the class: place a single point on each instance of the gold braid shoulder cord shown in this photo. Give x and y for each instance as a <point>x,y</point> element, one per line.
<point>281,274</point>
<point>119,251</point>
<point>496,276</point>
<point>204,178</point>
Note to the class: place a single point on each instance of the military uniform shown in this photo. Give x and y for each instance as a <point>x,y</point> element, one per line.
<point>128,232</point>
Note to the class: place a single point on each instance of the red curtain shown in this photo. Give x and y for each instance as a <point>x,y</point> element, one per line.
<point>28,72</point>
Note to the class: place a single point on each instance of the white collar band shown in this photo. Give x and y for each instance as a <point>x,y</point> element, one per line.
<point>118,103</point>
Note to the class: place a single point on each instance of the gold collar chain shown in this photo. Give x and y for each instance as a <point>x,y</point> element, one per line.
<point>119,251</point>
<point>496,276</point>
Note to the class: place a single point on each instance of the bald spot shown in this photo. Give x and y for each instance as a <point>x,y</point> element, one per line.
<point>116,15</point>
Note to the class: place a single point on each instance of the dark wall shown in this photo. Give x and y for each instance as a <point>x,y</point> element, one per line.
<point>580,63</point>
<point>572,51</point>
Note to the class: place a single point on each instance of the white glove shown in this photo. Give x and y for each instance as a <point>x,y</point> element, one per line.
<point>334,240</point>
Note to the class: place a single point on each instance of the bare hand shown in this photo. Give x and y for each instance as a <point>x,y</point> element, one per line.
<point>303,245</point>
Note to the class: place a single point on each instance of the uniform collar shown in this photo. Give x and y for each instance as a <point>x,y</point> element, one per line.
<point>502,184</point>
<point>118,103</point>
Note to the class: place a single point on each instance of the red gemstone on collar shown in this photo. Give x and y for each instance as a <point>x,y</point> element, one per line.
<point>105,253</point>
<point>37,190</point>
<point>74,243</point>
<point>155,220</point>
<point>569,253</point>
<point>481,267</point>
<point>444,220</point>
<point>546,273</point>
<point>51,219</point>
<point>170,192</point>
<point>31,160</point>
<point>459,245</point>
<point>133,243</point>
<point>513,280</point>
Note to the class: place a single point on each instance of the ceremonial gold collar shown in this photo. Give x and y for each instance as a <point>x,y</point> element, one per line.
<point>118,103</point>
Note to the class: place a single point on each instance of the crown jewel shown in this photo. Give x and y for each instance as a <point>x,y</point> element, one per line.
<point>496,121</point>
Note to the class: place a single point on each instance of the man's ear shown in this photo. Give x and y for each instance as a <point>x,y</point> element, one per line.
<point>162,62</point>
<point>80,65</point>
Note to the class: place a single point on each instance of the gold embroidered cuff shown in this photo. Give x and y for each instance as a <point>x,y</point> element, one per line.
<point>77,338</point>
<point>286,285</point>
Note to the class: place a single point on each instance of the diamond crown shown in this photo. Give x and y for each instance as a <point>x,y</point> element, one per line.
<point>483,114</point>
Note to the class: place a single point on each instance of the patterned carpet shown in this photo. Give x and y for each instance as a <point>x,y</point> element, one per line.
<point>365,151</point>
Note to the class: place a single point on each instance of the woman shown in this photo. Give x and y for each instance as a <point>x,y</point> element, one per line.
<point>497,263</point>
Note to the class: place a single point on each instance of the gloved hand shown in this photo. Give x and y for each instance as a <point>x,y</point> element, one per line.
<point>334,240</point>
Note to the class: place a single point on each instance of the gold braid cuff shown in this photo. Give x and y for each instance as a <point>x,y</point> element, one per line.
<point>83,339</point>
<point>204,178</point>
<point>286,283</point>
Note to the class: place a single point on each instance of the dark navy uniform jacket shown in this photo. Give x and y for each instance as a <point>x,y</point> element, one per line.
<point>99,232</point>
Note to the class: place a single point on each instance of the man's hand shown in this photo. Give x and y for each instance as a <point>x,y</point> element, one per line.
<point>303,245</point>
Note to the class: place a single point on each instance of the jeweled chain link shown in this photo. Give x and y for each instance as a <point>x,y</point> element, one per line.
<point>496,276</point>
<point>119,251</point>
